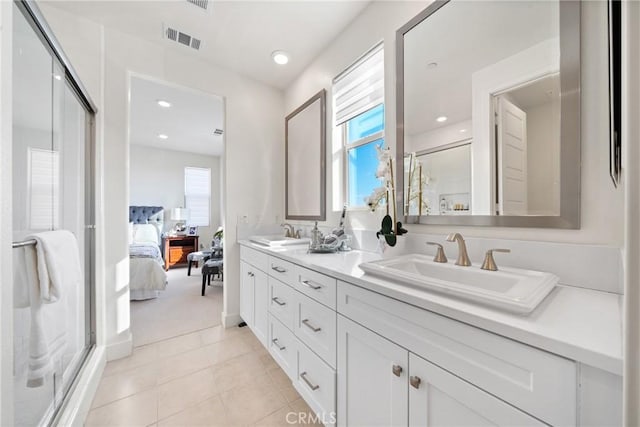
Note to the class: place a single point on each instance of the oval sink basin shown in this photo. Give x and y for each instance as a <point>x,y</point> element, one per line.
<point>511,289</point>
<point>279,240</point>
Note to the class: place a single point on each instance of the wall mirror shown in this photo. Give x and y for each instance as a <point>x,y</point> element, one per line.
<point>305,164</point>
<point>489,114</point>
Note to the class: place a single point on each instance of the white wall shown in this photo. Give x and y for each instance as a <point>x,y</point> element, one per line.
<point>602,205</point>
<point>377,22</point>
<point>253,159</point>
<point>156,178</point>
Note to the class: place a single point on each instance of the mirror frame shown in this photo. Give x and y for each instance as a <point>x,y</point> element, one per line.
<point>321,216</point>
<point>570,156</point>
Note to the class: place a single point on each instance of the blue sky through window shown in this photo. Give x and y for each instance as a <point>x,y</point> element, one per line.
<point>363,163</point>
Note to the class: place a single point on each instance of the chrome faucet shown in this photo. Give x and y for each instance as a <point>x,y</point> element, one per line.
<point>289,229</point>
<point>463,258</point>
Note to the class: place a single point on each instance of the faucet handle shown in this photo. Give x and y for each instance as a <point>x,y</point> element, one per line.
<point>440,256</point>
<point>489,263</point>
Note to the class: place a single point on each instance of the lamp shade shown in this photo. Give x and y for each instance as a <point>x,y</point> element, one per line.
<point>179,214</point>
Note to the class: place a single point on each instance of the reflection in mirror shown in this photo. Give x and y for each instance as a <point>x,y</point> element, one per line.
<point>527,138</point>
<point>484,94</point>
<point>441,180</point>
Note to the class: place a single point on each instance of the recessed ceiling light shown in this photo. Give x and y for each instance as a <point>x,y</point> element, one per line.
<point>463,130</point>
<point>163,103</point>
<point>280,57</point>
<point>441,119</point>
<point>163,136</point>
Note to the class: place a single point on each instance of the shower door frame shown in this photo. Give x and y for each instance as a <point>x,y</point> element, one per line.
<point>34,17</point>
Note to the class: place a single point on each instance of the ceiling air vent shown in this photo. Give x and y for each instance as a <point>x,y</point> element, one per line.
<point>182,38</point>
<point>218,132</point>
<point>202,4</point>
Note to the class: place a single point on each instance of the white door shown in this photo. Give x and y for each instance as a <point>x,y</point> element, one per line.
<point>512,159</point>
<point>247,280</point>
<point>260,305</point>
<point>438,398</point>
<point>372,378</point>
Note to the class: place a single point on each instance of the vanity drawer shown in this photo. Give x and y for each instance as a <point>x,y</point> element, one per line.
<point>317,286</point>
<point>315,325</point>
<point>316,383</point>
<point>281,302</point>
<point>539,383</point>
<point>256,258</point>
<point>282,270</point>
<point>283,346</point>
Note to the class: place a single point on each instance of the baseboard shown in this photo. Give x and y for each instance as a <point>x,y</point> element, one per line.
<point>230,320</point>
<point>120,349</point>
<point>78,405</point>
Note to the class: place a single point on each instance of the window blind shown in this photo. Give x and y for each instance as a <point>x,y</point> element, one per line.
<point>197,195</point>
<point>44,189</point>
<point>360,87</point>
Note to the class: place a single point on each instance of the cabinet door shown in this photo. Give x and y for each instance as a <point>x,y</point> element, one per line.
<point>372,378</point>
<point>438,398</point>
<point>260,305</point>
<point>247,280</point>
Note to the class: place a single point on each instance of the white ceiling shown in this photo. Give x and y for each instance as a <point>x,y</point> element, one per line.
<point>189,122</point>
<point>239,35</point>
<point>463,37</point>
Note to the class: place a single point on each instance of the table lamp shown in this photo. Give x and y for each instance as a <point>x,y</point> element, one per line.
<point>181,215</point>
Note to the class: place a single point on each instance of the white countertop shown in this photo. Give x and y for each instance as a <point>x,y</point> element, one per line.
<point>579,324</point>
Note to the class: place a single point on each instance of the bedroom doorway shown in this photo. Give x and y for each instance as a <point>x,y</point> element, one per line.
<point>176,143</point>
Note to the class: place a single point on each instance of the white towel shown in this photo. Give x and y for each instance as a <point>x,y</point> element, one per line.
<point>58,263</point>
<point>55,260</point>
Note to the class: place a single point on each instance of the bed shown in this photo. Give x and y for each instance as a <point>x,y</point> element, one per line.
<point>147,277</point>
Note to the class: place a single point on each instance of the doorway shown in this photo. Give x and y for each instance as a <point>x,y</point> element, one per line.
<point>176,147</point>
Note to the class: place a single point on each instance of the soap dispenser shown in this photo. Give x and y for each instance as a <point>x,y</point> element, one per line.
<point>316,235</point>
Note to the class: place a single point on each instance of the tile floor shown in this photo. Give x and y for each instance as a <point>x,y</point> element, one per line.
<point>212,377</point>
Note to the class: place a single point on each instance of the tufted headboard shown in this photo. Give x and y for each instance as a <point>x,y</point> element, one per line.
<point>148,215</point>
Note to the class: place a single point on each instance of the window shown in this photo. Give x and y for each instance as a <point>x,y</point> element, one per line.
<point>362,135</point>
<point>197,195</point>
<point>358,105</point>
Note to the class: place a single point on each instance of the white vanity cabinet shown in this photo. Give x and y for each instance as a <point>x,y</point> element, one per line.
<point>247,292</point>
<point>381,383</point>
<point>297,308</point>
<point>439,398</point>
<point>254,293</point>
<point>370,359</point>
<point>372,378</point>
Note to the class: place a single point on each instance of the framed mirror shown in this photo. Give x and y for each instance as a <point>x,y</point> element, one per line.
<point>489,114</point>
<point>305,164</point>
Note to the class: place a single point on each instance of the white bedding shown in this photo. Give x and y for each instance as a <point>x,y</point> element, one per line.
<point>146,274</point>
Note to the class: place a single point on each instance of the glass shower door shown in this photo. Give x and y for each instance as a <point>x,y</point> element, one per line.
<point>51,190</point>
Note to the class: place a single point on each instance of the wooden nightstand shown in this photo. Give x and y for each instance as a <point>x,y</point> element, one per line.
<point>176,249</point>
